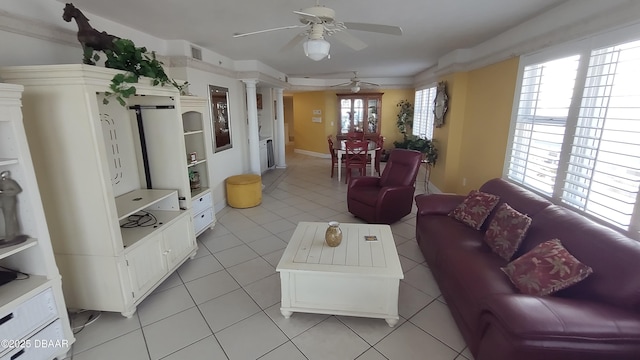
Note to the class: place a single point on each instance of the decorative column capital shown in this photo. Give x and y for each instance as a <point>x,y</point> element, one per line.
<point>250,83</point>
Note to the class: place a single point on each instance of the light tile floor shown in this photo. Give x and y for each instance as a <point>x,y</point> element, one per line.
<point>225,303</point>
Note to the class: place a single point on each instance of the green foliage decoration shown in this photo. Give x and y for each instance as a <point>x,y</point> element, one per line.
<point>405,117</point>
<point>412,142</point>
<point>137,62</point>
<point>425,146</point>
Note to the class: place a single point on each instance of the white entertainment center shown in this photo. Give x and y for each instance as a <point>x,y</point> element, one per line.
<point>114,180</point>
<point>32,309</point>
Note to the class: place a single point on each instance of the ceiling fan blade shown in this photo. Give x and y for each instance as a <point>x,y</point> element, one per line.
<point>343,84</point>
<point>295,41</point>
<point>235,35</point>
<point>368,83</point>
<point>349,40</point>
<point>309,17</point>
<point>377,28</point>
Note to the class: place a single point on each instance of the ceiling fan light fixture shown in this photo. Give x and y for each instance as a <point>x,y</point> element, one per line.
<point>316,49</point>
<point>355,88</point>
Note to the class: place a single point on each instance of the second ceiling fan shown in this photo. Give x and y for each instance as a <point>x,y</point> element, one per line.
<point>319,21</point>
<point>355,83</point>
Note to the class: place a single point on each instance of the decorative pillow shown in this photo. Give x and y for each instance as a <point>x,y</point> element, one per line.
<point>506,231</point>
<point>545,269</point>
<point>475,208</point>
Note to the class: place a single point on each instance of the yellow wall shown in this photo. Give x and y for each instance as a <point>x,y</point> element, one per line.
<point>471,144</point>
<point>313,136</point>
<point>287,103</point>
<point>448,138</point>
<point>390,100</point>
<point>310,136</point>
<point>473,141</point>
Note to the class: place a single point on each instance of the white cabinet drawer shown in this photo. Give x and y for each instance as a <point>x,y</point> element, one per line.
<point>201,203</point>
<point>45,344</point>
<point>202,220</point>
<point>28,316</point>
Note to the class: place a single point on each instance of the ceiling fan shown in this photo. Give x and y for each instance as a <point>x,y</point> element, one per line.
<point>355,83</point>
<point>319,21</point>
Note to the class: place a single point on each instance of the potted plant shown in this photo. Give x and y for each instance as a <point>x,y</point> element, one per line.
<point>405,118</point>
<point>405,123</point>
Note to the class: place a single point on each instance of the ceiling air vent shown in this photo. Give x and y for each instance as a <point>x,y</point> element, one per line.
<point>196,53</point>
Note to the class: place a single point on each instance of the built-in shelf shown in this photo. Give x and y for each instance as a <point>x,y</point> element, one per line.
<point>196,162</point>
<point>193,132</point>
<point>197,140</point>
<point>8,161</point>
<point>23,311</point>
<point>196,192</point>
<point>10,250</point>
<point>136,200</point>
<point>17,291</point>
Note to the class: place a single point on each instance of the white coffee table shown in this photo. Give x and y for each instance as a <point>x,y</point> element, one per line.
<point>356,278</point>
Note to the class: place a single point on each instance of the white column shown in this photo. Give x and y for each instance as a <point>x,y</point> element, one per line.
<point>252,127</point>
<point>280,140</point>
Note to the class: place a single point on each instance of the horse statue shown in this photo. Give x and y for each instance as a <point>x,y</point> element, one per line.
<point>90,38</point>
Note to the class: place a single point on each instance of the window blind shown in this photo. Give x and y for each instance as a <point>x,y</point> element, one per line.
<point>603,175</point>
<point>423,113</point>
<point>543,108</point>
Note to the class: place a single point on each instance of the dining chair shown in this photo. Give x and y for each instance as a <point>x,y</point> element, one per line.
<point>379,148</point>
<point>355,135</point>
<point>334,156</point>
<point>356,157</point>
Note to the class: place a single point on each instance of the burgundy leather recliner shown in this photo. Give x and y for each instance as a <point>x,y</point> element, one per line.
<point>388,198</point>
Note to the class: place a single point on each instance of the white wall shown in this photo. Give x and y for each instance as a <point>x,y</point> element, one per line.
<point>32,32</point>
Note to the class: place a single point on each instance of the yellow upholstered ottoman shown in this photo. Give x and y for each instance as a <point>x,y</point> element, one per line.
<point>244,191</point>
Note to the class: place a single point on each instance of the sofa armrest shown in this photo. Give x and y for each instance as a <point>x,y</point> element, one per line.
<point>554,318</point>
<point>364,181</point>
<point>437,204</point>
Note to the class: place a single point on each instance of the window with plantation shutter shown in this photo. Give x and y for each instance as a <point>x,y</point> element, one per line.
<point>575,132</point>
<point>603,173</point>
<point>423,113</point>
<point>545,98</point>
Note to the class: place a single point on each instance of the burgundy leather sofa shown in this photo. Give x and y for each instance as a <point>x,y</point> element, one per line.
<point>388,198</point>
<point>598,318</point>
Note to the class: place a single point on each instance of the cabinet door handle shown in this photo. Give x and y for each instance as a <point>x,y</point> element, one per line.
<point>6,318</point>
<point>200,199</point>
<point>17,355</point>
<point>202,216</point>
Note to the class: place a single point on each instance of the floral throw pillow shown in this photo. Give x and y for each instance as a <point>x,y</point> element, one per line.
<point>475,208</point>
<point>545,269</point>
<point>506,231</point>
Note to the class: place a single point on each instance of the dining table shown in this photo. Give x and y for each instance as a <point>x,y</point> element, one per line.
<point>341,151</point>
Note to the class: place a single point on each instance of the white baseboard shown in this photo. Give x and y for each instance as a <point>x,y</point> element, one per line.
<point>312,153</point>
<point>433,189</point>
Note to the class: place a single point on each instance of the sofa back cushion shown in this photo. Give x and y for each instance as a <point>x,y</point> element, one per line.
<point>614,258</point>
<point>519,198</point>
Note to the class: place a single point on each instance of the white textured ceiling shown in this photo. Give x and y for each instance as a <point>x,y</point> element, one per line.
<point>431,29</point>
